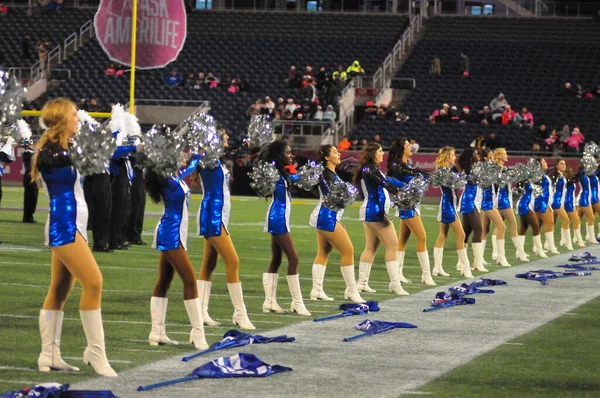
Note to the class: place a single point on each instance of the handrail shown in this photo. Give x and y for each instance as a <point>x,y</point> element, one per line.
<point>168,101</point>
<point>72,39</point>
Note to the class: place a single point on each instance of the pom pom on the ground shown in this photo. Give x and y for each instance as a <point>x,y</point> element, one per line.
<point>260,131</point>
<point>341,195</point>
<point>310,175</point>
<point>589,163</point>
<point>163,151</point>
<point>264,177</point>
<point>92,149</point>
<point>410,196</point>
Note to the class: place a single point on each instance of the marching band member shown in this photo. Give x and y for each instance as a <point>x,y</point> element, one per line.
<point>400,169</point>
<point>543,208</point>
<point>277,224</point>
<point>559,184</point>
<point>66,234</point>
<point>377,224</point>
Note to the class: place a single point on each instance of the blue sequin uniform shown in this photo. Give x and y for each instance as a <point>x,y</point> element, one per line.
<point>542,201</point>
<point>278,214</point>
<point>374,186</point>
<point>216,204</point>
<point>524,204</point>
<point>323,218</point>
<point>560,186</point>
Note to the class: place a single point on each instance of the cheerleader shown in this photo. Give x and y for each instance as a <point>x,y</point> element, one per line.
<point>543,209</point>
<point>277,223</point>
<point>504,202</point>
<point>585,205</point>
<point>377,223</point>
<point>170,237</point>
<point>330,231</point>
<point>492,215</point>
<point>529,218</point>
<point>410,220</point>
<point>594,197</point>
<point>570,206</point>
<point>470,208</point>
<point>448,218</point>
<point>66,234</point>
<point>212,220</point>
<point>559,184</point>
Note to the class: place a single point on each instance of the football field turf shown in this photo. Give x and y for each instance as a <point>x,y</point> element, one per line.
<point>527,366</point>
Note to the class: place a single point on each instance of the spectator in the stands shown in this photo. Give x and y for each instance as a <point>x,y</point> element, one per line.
<point>42,50</point>
<point>111,70</point>
<point>173,79</point>
<point>293,77</point>
<point>211,80</point>
<point>291,106</point>
<point>311,91</point>
<point>478,142</point>
<point>497,107</point>
<point>190,81</point>
<point>377,139</point>
<point>329,114</point>
<point>466,64</point>
<point>269,105</point>
<point>83,105</point>
<point>441,117</point>
<point>309,72</point>
<point>3,10</point>
<point>508,115</point>
<point>466,116</point>
<point>344,144</point>
<point>527,118</point>
<point>580,92</point>
<point>568,90</point>
<point>596,91</point>
<point>536,147</point>
<point>280,105</point>
<point>26,47</point>
<point>436,66</point>
<point>340,76</point>
<point>120,70</point>
<point>319,113</point>
<point>234,86</point>
<point>485,116</point>
<point>355,145</point>
<point>492,142</point>
<point>355,69</point>
<point>541,134</point>
<point>363,143</point>
<point>401,117</point>
<point>575,141</point>
<point>552,142</point>
<point>414,147</point>
<point>381,111</point>
<point>93,106</point>
<point>454,114</point>
<point>320,77</point>
<point>563,134</point>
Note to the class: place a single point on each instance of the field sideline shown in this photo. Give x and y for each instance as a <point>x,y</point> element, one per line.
<point>129,277</point>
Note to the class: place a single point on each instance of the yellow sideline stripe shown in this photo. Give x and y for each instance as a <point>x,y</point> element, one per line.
<point>97,115</point>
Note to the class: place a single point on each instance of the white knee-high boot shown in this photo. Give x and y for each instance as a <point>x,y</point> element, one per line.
<point>364,271</point>
<point>395,286</point>
<point>351,291</point>
<point>270,287</point>
<point>50,332</point>
<point>522,242</point>
<point>494,247</point>
<point>401,277</point>
<point>459,265</point>
<point>438,255</point>
<point>240,315</point>
<point>95,352</point>
<point>592,239</point>
<point>568,241</point>
<point>502,253</point>
<point>520,253</point>
<point>563,239</point>
<point>578,238</point>
<point>297,305</point>
<point>318,276</point>
<point>466,266</point>
<point>204,297</point>
<point>194,311</point>
<point>425,268</point>
<point>478,257</point>
<point>158,314</point>
<point>550,242</point>
<point>537,246</point>
<point>484,244</point>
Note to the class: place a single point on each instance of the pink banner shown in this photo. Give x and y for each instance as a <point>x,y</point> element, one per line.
<point>14,171</point>
<point>161,31</point>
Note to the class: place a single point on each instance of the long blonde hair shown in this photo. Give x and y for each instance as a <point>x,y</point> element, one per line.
<point>497,153</point>
<point>443,156</point>
<point>55,115</point>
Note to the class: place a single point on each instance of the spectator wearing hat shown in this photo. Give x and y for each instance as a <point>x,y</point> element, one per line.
<point>466,116</point>
<point>355,69</point>
<point>485,116</point>
<point>234,86</point>
<point>293,77</point>
<point>329,114</point>
<point>280,105</point>
<point>497,107</point>
<point>575,141</point>
<point>291,107</point>
<point>454,114</point>
<point>508,115</point>
<point>319,113</point>
<point>269,105</point>
<point>309,72</point>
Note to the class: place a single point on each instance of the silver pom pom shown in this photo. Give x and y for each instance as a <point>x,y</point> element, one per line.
<point>410,196</point>
<point>518,192</point>
<point>341,195</point>
<point>11,98</point>
<point>537,190</point>
<point>202,132</point>
<point>92,149</point>
<point>445,177</point>
<point>485,174</point>
<point>163,151</point>
<point>590,166</point>
<point>591,148</point>
<point>505,177</point>
<point>520,172</point>
<point>264,177</point>
<point>260,131</point>
<point>310,175</point>
<point>536,173</point>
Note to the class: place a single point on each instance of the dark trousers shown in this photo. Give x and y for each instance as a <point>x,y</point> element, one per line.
<point>0,189</point>
<point>120,190</point>
<point>30,198</point>
<point>136,207</point>
<point>97,191</point>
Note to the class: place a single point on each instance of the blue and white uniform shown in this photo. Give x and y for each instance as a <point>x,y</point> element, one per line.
<point>594,188</point>
<point>405,172</point>
<point>470,198</point>
<point>542,201</point>
<point>68,211</point>
<point>374,186</point>
<point>560,191</point>
<point>216,204</point>
<point>447,211</point>
<point>172,228</point>
<point>323,218</point>
<point>277,221</point>
<point>570,196</point>
<point>487,198</point>
<point>584,198</point>
<point>525,203</point>
<point>504,197</point>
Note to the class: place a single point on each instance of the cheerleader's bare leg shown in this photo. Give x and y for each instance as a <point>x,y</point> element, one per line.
<point>574,217</point>
<point>385,233</point>
<point>473,220</point>
<point>438,251</point>
<point>588,213</point>
<point>404,233</point>
<point>496,218</point>
<point>509,217</point>
<point>487,223</point>
<point>532,220</point>
<point>565,230</point>
<point>547,219</point>
<point>70,262</point>
<point>415,225</point>
<point>339,240</point>
<point>596,208</point>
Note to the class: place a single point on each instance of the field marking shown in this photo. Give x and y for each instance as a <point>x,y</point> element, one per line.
<point>19,369</point>
<point>139,350</point>
<point>512,343</point>
<point>112,360</point>
<point>24,382</point>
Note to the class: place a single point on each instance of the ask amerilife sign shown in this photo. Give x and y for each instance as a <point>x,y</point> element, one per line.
<point>161,31</point>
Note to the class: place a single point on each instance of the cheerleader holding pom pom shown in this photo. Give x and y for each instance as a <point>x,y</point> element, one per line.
<point>559,183</point>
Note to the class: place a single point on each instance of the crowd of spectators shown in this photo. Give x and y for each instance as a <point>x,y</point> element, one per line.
<point>116,71</point>
<point>436,65</point>
<point>578,91</point>
<point>562,140</point>
<point>201,81</point>
<point>383,111</point>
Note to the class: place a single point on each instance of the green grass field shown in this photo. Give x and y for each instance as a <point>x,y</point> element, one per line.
<point>129,278</point>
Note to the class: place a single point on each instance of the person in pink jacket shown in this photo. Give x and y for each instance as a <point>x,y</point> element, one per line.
<point>575,140</point>
<point>527,118</point>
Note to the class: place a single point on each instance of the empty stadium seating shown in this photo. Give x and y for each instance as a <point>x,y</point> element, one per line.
<point>528,60</point>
